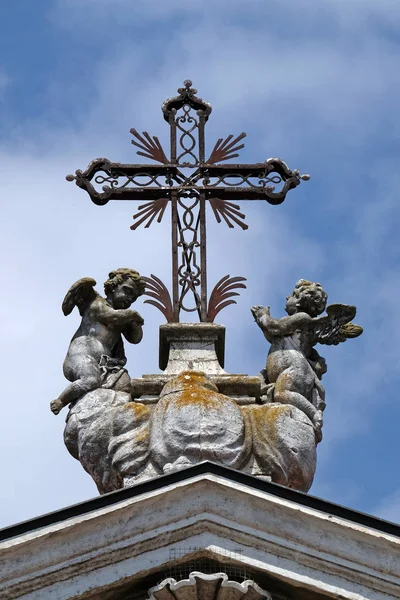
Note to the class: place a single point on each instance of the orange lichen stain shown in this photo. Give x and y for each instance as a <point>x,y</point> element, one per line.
<point>193,379</point>
<point>206,398</point>
<point>142,436</point>
<point>265,419</point>
<point>284,382</point>
<point>140,410</point>
<point>193,387</point>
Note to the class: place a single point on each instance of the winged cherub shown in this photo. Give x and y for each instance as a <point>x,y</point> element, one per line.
<point>97,347</point>
<point>294,367</point>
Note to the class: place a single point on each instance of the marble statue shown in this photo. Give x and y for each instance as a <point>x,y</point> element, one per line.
<point>96,354</point>
<point>95,366</point>
<point>294,368</point>
<point>125,431</point>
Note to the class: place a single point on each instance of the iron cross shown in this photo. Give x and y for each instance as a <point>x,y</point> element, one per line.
<point>187,181</point>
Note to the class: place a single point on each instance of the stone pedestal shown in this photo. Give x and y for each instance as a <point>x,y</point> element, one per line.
<point>193,347</point>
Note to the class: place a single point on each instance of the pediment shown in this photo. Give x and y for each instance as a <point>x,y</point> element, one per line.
<point>120,545</point>
<point>276,590</point>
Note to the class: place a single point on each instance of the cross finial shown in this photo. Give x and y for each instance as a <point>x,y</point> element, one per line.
<point>208,182</point>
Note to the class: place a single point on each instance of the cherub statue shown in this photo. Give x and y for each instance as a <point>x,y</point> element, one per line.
<point>294,368</point>
<point>96,354</point>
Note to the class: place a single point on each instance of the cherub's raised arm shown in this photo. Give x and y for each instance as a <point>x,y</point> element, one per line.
<point>133,333</point>
<point>273,328</point>
<point>104,313</point>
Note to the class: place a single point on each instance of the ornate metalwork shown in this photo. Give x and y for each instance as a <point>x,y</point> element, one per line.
<point>188,182</point>
<point>229,212</point>
<point>162,299</point>
<point>225,149</point>
<point>148,212</point>
<point>149,147</point>
<point>220,294</point>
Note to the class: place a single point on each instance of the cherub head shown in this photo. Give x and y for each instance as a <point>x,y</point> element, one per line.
<point>123,287</point>
<point>307,297</point>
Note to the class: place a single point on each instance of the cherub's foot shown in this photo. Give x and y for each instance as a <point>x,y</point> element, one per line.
<point>56,406</point>
<point>318,422</point>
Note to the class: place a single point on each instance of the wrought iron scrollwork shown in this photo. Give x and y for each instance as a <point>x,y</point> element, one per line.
<point>156,289</point>
<point>225,149</point>
<point>188,192</point>
<point>148,212</point>
<point>189,270</point>
<point>149,147</point>
<point>186,125</point>
<point>229,212</point>
<point>222,295</point>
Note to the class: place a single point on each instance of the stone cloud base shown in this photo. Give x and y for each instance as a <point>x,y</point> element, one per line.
<point>120,442</point>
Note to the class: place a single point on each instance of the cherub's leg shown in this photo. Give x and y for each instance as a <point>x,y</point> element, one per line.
<point>88,378</point>
<point>287,391</point>
<point>318,396</point>
<point>288,387</point>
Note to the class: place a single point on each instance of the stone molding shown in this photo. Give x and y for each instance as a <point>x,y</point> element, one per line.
<point>301,546</point>
<point>207,587</point>
<point>202,344</point>
<point>149,387</point>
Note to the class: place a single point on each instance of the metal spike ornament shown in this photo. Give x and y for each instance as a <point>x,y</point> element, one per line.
<point>188,183</point>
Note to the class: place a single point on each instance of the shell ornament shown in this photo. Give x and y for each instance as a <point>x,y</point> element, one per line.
<point>207,587</point>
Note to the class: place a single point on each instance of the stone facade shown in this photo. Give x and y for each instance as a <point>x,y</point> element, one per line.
<point>120,546</point>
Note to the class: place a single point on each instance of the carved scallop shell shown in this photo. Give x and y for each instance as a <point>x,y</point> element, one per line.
<point>207,587</point>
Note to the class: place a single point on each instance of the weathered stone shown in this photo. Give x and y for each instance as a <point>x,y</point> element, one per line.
<point>207,587</point>
<point>267,425</point>
<point>96,356</point>
<point>109,434</point>
<point>106,550</point>
<point>129,443</point>
<point>283,445</point>
<point>192,346</point>
<point>192,422</point>
<point>244,388</point>
<point>88,432</point>
<point>294,368</point>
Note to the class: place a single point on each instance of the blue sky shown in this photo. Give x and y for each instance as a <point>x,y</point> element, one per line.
<point>313,82</point>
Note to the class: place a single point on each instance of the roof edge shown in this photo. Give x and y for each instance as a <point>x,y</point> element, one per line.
<point>202,468</point>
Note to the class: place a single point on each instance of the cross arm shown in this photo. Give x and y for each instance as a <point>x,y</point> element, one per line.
<point>121,181</point>
<point>251,181</point>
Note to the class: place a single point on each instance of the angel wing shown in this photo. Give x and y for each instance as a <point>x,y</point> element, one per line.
<point>335,327</point>
<point>80,294</point>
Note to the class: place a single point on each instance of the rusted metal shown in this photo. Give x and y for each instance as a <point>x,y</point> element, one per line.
<point>203,258</point>
<point>225,149</point>
<point>174,236</point>
<point>228,211</point>
<point>149,147</point>
<point>221,293</point>
<point>162,299</point>
<point>149,211</point>
<point>188,182</point>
